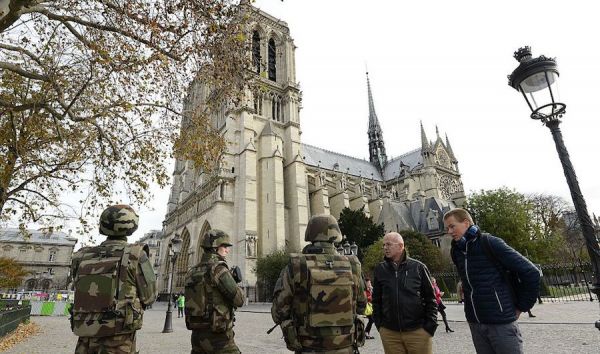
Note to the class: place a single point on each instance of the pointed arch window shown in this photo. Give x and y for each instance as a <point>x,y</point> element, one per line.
<point>256,51</point>
<point>272,61</point>
<point>181,265</point>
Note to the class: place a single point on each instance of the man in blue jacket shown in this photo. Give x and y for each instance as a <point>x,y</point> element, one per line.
<point>492,306</point>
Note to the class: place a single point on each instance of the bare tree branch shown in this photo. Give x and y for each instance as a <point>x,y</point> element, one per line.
<point>24,73</point>
<point>65,19</point>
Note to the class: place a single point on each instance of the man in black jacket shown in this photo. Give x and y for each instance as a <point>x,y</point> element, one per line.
<point>492,305</point>
<point>404,307</point>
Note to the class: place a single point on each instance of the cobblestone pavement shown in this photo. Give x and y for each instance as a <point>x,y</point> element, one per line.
<point>558,328</point>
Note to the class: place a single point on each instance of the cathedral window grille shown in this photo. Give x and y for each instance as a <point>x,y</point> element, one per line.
<point>256,51</point>
<point>273,109</point>
<point>276,109</point>
<point>272,60</point>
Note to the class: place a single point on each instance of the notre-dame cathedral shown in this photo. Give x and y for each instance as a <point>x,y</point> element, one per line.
<point>270,183</point>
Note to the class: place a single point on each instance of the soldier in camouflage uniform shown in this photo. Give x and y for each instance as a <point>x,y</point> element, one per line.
<point>113,284</point>
<point>212,295</point>
<point>319,295</point>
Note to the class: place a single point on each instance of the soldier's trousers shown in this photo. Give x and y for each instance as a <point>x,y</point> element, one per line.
<point>121,344</point>
<point>348,350</point>
<point>207,342</point>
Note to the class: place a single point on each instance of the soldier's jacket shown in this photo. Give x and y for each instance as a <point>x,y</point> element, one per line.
<point>113,283</point>
<point>211,295</point>
<point>317,298</point>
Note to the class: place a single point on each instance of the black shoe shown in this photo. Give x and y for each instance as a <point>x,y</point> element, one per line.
<point>449,330</point>
<point>532,315</point>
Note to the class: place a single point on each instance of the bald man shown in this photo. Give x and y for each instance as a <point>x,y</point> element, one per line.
<point>404,306</point>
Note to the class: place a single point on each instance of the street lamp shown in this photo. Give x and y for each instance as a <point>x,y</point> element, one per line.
<point>346,248</point>
<point>354,248</point>
<point>340,249</point>
<point>537,80</point>
<point>174,249</point>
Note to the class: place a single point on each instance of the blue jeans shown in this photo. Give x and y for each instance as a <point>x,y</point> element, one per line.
<point>497,338</point>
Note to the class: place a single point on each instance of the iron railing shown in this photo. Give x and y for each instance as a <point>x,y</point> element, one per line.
<point>561,282</point>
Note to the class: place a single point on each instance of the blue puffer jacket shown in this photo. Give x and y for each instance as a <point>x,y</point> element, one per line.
<point>487,296</point>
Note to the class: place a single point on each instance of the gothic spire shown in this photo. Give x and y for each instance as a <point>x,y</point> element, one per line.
<point>425,147</point>
<point>449,148</point>
<point>373,121</point>
<point>377,155</point>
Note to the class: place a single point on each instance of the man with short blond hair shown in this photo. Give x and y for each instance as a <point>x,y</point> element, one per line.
<point>492,305</point>
<point>406,317</point>
<point>459,215</point>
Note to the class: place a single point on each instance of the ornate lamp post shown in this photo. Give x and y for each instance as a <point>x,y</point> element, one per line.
<point>537,80</point>
<point>340,249</point>
<point>354,249</point>
<point>174,250</point>
<point>346,247</point>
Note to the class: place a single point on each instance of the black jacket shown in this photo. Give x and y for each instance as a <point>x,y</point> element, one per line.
<point>403,299</point>
<point>488,297</point>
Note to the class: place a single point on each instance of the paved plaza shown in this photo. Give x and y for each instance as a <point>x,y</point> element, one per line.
<point>558,328</point>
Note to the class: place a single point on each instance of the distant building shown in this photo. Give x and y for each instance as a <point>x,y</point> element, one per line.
<point>46,254</point>
<point>153,240</point>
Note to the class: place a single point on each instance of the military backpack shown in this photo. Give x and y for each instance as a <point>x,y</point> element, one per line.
<point>325,299</point>
<point>205,307</point>
<point>102,307</point>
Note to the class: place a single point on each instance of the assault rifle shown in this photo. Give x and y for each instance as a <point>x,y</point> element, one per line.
<point>236,273</point>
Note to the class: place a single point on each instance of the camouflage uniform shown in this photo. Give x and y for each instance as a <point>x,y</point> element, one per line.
<point>319,294</point>
<point>113,284</point>
<point>212,295</point>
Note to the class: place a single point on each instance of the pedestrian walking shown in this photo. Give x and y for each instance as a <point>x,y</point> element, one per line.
<point>180,305</point>
<point>404,307</point>
<point>319,295</point>
<point>492,303</point>
<point>440,305</point>
<point>113,284</point>
<point>369,308</point>
<point>460,292</point>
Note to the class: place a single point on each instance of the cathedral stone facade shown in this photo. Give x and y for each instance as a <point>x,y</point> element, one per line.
<point>269,183</point>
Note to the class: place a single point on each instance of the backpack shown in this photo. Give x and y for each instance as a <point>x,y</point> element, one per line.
<point>205,307</point>
<point>510,278</point>
<point>325,300</point>
<point>102,306</point>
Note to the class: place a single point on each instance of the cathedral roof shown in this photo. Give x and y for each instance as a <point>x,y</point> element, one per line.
<point>414,214</point>
<point>411,159</point>
<point>318,157</point>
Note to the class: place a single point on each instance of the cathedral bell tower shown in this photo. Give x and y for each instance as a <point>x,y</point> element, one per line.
<point>377,155</point>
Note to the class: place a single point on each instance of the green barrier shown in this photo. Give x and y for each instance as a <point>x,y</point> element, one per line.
<point>47,309</point>
<point>67,308</point>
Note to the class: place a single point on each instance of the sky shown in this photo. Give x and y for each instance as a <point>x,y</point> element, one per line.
<point>445,64</point>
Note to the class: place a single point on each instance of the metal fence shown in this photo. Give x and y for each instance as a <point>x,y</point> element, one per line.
<point>10,319</point>
<point>562,282</point>
<point>263,292</point>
